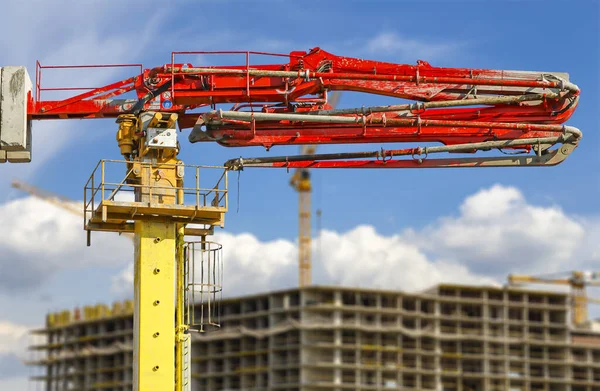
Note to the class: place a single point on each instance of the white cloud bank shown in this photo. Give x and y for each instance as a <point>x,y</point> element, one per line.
<point>12,338</point>
<point>38,239</point>
<point>389,43</point>
<point>498,231</point>
<point>13,346</point>
<point>495,232</point>
<point>363,257</point>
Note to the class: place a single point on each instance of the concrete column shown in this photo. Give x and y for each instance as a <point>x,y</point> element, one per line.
<point>271,356</point>
<point>506,345</point>
<point>337,355</point>
<point>337,298</point>
<point>485,313</point>
<point>358,371</point>
<point>399,377</point>
<point>337,318</point>
<point>378,355</point>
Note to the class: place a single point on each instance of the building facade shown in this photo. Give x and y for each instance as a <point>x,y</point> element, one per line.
<point>448,338</point>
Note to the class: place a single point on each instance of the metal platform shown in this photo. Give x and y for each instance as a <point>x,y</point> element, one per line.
<point>113,204</point>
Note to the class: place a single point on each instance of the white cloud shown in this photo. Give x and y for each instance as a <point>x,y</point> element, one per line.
<point>13,347</point>
<point>251,265</point>
<point>122,283</point>
<point>363,257</point>
<point>12,338</point>
<point>38,239</point>
<point>19,383</point>
<point>391,44</point>
<point>498,231</point>
<point>495,233</point>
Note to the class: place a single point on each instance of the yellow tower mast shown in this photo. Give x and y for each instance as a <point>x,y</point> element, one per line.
<point>157,216</point>
<point>300,181</point>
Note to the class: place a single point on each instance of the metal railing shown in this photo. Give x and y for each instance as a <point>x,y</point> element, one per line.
<point>203,285</point>
<point>246,55</point>
<point>86,92</point>
<point>107,183</point>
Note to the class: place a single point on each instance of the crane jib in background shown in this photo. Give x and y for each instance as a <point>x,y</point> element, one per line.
<point>576,280</point>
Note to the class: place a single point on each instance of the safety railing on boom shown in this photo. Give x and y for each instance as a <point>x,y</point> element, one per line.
<point>246,72</point>
<point>39,70</point>
<point>96,93</point>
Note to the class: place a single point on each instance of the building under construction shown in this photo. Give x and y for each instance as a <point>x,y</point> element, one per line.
<point>450,337</point>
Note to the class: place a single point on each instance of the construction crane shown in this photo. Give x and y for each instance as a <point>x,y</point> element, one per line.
<point>300,181</point>
<point>577,280</point>
<point>465,111</point>
<point>55,199</point>
<point>48,196</point>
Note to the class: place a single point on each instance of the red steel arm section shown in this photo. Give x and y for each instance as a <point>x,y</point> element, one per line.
<point>284,104</point>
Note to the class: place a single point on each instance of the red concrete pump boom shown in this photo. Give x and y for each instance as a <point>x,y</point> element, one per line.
<point>465,110</point>
<point>518,116</point>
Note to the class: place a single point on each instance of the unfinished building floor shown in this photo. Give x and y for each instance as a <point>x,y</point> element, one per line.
<point>448,338</point>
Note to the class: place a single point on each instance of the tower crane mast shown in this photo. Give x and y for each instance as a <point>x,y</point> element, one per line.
<point>464,111</point>
<point>301,182</point>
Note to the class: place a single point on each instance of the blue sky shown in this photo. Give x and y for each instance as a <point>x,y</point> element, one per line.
<point>474,34</point>
<point>409,212</point>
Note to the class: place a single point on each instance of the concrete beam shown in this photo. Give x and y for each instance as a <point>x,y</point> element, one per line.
<point>15,128</point>
<point>18,156</point>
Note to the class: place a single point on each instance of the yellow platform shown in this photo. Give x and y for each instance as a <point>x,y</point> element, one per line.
<point>104,211</point>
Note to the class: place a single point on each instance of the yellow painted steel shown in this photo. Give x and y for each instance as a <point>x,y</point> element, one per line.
<point>180,327</point>
<point>154,293</point>
<point>300,181</point>
<point>305,237</point>
<point>157,217</point>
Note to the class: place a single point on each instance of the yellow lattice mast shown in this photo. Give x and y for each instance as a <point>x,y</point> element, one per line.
<point>300,181</point>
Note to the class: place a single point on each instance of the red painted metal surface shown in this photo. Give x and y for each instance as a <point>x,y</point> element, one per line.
<point>300,85</point>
